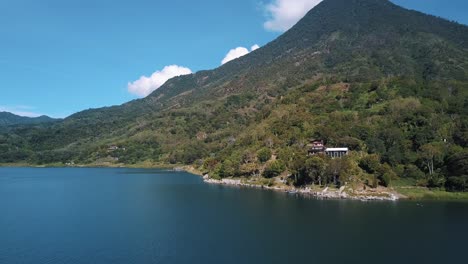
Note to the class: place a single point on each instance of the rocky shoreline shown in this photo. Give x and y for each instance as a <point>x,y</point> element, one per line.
<point>323,194</point>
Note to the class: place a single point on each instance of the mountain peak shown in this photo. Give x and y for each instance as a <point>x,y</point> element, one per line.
<point>366,16</point>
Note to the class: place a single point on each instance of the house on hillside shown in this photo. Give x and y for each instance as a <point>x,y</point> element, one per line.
<point>316,147</point>
<point>336,152</point>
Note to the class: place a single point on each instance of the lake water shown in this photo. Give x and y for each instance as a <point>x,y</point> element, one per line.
<point>153,216</point>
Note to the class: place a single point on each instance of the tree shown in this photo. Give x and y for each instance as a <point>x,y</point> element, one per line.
<point>285,154</point>
<point>210,163</point>
<point>430,153</point>
<point>298,168</point>
<point>457,184</point>
<point>350,171</point>
<point>457,164</point>
<point>412,171</point>
<point>386,174</point>
<point>229,168</point>
<point>316,168</point>
<point>264,155</point>
<point>334,169</point>
<point>376,145</point>
<point>249,169</point>
<point>370,163</point>
<point>273,169</point>
<point>351,142</point>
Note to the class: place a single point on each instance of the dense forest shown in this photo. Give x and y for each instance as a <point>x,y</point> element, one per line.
<point>9,119</point>
<point>388,83</point>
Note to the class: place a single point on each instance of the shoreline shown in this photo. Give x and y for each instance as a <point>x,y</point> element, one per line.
<point>100,165</point>
<point>327,193</point>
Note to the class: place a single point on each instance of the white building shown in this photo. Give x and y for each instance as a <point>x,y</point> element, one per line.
<point>336,152</point>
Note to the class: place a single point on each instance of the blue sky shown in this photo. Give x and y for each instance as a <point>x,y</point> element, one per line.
<point>58,57</point>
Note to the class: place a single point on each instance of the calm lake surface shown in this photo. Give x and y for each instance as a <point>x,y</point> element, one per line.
<point>153,216</point>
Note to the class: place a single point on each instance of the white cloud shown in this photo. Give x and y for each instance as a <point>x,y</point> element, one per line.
<point>283,14</point>
<point>234,54</point>
<point>20,110</point>
<point>146,85</point>
<point>237,53</point>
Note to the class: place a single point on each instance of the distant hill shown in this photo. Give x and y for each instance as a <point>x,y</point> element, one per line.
<point>7,119</point>
<point>388,83</point>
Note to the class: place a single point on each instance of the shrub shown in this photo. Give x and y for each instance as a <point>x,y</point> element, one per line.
<point>274,169</point>
<point>412,171</point>
<point>264,155</point>
<point>370,163</point>
<point>457,184</point>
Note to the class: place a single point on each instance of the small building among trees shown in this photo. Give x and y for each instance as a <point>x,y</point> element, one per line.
<point>318,147</point>
<point>336,152</point>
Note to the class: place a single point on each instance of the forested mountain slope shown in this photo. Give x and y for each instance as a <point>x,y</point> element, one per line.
<point>389,83</point>
<point>8,119</point>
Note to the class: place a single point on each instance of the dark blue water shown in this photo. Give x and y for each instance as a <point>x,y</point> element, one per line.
<point>150,216</point>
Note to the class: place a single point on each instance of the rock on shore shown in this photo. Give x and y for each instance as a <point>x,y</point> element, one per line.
<point>324,194</point>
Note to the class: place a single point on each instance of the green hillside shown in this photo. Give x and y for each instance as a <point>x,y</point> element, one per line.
<point>388,83</point>
<point>9,119</point>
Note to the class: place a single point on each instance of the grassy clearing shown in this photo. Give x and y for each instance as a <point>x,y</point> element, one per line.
<point>409,188</point>
<point>420,193</point>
